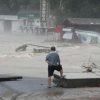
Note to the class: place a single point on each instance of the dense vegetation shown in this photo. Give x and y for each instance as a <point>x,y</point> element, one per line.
<point>77,8</point>
<point>62,8</point>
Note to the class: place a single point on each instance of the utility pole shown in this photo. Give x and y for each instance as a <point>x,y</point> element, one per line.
<point>44,14</point>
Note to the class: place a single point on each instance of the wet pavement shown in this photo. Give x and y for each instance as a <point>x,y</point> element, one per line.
<point>36,89</point>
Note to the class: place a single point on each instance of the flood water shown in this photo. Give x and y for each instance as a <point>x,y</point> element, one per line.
<point>33,68</point>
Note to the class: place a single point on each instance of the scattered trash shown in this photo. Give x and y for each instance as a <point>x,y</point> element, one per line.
<point>41,48</point>
<point>89,67</point>
<point>21,48</point>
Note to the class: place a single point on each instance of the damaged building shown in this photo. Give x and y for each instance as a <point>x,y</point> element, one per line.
<point>86,29</point>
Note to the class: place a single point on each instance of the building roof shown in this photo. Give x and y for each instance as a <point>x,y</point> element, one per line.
<point>84,21</point>
<point>8,17</point>
<point>90,24</point>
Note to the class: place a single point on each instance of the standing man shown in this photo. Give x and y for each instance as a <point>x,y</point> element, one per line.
<point>58,32</point>
<point>53,62</point>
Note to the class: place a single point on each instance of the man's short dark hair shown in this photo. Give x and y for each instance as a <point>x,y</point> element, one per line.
<point>53,48</point>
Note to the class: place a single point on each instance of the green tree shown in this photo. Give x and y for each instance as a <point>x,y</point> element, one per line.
<point>13,6</point>
<point>59,8</point>
<point>75,8</point>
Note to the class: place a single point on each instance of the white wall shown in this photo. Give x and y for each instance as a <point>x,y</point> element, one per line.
<point>37,22</point>
<point>16,26</point>
<point>1,26</point>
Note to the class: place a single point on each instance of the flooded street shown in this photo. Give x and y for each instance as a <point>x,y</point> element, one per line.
<point>30,90</point>
<point>33,68</point>
<point>29,28</point>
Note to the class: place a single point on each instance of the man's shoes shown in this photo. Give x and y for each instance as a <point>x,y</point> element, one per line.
<point>49,86</point>
<point>63,76</point>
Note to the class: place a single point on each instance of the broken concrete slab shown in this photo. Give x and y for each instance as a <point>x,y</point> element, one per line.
<point>74,80</point>
<point>4,77</point>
